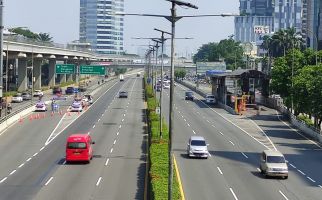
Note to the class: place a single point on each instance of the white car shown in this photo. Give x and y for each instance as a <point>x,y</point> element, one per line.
<point>38,93</point>
<point>210,99</point>
<point>197,147</point>
<point>76,106</point>
<point>17,98</point>
<point>166,86</point>
<point>40,106</point>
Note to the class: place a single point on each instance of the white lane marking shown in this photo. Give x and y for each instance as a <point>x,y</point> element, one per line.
<point>232,191</point>
<point>188,124</point>
<point>193,132</point>
<point>311,179</point>
<point>42,148</point>
<point>50,138</point>
<point>99,120</point>
<point>94,126</point>
<point>35,154</point>
<point>28,159</point>
<point>106,163</point>
<point>21,165</point>
<point>219,170</point>
<point>179,112</point>
<point>244,154</point>
<point>5,178</point>
<point>231,143</point>
<point>301,172</point>
<point>98,181</point>
<point>111,150</point>
<point>102,114</point>
<point>283,194</point>
<point>278,116</point>
<point>213,126</point>
<point>292,166</point>
<point>184,120</point>
<point>320,186</point>
<point>198,113</point>
<point>122,120</point>
<point>221,133</point>
<point>117,133</point>
<point>208,121</point>
<point>13,171</point>
<point>258,169</point>
<point>124,115</point>
<point>51,178</point>
<point>182,116</point>
<point>120,126</point>
<point>88,133</point>
<point>114,142</point>
<point>64,162</point>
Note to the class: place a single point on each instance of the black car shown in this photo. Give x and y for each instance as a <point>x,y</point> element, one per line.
<point>189,95</point>
<point>57,91</point>
<point>123,94</point>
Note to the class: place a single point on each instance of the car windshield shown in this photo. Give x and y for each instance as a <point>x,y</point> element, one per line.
<point>275,159</point>
<point>189,93</point>
<point>76,145</point>
<point>211,96</point>
<point>198,143</point>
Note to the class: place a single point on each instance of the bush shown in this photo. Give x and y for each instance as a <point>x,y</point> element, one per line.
<point>67,83</point>
<point>306,120</point>
<point>8,94</point>
<point>158,152</point>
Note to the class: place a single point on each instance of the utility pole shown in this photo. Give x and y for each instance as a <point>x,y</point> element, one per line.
<point>1,47</point>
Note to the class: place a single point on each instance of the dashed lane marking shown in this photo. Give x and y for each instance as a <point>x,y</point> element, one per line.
<point>111,150</point>
<point>117,133</point>
<point>94,126</point>
<point>28,159</point>
<point>231,143</point>
<point>292,166</point>
<point>283,194</point>
<point>98,181</point>
<point>21,165</point>
<point>244,154</point>
<point>311,179</point>
<point>219,170</point>
<point>2,180</point>
<point>51,178</point>
<point>107,160</point>
<point>301,172</point>
<point>233,193</point>
<point>13,171</point>
<point>193,132</point>
<point>42,148</point>
<point>114,142</point>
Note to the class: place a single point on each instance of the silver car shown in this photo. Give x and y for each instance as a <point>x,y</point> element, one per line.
<point>273,164</point>
<point>197,147</point>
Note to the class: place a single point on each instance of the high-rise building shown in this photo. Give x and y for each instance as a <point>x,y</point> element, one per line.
<point>312,23</point>
<point>287,14</point>
<point>256,7</point>
<point>99,28</point>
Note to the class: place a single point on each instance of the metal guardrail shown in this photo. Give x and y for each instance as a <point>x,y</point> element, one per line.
<point>13,113</point>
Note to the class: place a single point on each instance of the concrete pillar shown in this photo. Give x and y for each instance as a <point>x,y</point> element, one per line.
<point>37,73</point>
<point>51,72</point>
<point>62,78</point>
<point>22,74</point>
<point>69,77</point>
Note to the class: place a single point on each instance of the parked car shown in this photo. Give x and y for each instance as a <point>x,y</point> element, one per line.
<point>76,106</point>
<point>26,96</point>
<point>189,95</point>
<point>123,94</point>
<point>197,147</point>
<point>272,163</point>
<point>17,98</point>
<point>70,90</point>
<point>57,91</point>
<point>210,99</point>
<point>38,93</point>
<point>79,148</point>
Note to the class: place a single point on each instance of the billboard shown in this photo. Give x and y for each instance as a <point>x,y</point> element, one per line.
<point>202,67</point>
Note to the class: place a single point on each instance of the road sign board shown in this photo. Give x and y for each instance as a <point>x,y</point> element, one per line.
<point>65,69</point>
<point>92,69</point>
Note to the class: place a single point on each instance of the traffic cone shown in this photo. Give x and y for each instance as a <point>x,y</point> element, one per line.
<point>30,118</point>
<point>20,119</point>
<point>43,115</point>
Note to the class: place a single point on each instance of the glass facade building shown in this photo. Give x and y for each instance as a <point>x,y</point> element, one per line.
<point>97,27</point>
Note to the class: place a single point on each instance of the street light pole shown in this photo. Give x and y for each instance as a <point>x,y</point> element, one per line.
<point>1,47</point>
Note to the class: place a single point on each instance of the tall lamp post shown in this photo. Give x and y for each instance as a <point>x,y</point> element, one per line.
<point>173,18</point>
<point>1,47</point>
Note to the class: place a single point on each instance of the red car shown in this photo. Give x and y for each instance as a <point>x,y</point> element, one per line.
<point>79,148</point>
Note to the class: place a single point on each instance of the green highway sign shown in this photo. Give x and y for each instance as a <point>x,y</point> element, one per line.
<point>92,69</point>
<point>65,69</point>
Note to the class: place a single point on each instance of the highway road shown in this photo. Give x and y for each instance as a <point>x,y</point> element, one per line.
<point>33,165</point>
<point>232,170</point>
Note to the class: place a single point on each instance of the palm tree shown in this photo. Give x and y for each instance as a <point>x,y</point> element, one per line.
<point>44,37</point>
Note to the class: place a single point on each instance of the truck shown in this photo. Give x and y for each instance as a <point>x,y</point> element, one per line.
<point>121,77</point>
<point>82,86</point>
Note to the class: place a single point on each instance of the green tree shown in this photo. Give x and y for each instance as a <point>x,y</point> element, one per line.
<point>180,73</point>
<point>44,37</point>
<point>24,32</point>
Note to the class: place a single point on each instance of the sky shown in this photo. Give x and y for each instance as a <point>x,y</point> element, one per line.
<point>60,18</point>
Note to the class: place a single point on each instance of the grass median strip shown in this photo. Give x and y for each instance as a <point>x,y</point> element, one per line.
<point>158,151</point>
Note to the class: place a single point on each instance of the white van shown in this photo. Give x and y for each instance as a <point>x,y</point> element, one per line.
<point>121,77</point>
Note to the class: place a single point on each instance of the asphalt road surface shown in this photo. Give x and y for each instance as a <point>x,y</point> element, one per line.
<point>232,170</point>
<point>33,152</point>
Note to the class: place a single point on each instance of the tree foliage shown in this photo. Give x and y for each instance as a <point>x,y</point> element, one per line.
<point>43,37</point>
<point>180,73</point>
<point>228,50</point>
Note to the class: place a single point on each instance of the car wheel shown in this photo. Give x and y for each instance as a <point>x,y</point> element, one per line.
<point>285,177</point>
